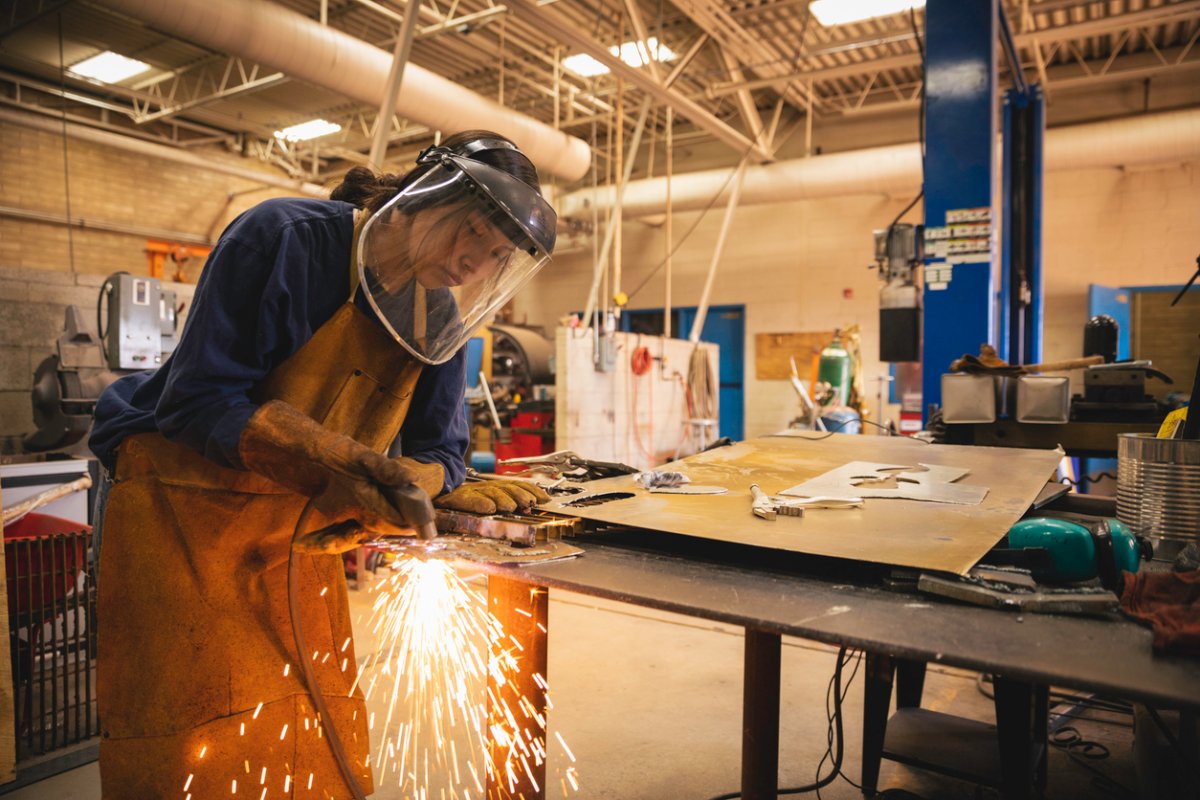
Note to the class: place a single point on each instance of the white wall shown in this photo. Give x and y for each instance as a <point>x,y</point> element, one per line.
<point>615,415</point>
<point>790,263</point>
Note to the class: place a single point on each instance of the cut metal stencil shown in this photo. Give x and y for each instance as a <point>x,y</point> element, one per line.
<point>928,482</point>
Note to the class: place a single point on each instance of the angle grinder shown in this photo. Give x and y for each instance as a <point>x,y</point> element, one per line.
<point>1067,548</point>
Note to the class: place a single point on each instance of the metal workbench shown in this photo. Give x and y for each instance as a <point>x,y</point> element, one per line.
<point>773,594</point>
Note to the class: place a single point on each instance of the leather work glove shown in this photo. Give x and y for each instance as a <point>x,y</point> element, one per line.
<point>491,496</point>
<point>341,475</point>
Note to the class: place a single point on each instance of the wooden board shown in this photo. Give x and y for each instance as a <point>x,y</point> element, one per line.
<point>8,738</point>
<point>773,350</point>
<point>906,533</point>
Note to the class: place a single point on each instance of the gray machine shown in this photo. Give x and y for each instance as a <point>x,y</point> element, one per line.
<point>141,322</point>
<point>899,250</point>
<point>137,332</point>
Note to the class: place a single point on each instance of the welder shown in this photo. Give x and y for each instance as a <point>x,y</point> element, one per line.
<point>324,335</point>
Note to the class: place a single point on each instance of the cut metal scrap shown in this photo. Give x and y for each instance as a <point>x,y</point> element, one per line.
<point>478,550</point>
<point>524,529</point>
<point>1081,600</point>
<point>817,502</point>
<point>691,488</point>
<point>567,462</point>
<point>658,479</point>
<point>928,482</point>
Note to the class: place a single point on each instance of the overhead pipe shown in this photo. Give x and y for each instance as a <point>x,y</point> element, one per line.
<point>1148,139</point>
<point>287,41</point>
<point>383,122</point>
<point>95,136</point>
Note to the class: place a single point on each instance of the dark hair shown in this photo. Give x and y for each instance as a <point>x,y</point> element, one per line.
<point>362,188</point>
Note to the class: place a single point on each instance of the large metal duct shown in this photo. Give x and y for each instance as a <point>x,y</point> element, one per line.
<point>1144,140</point>
<point>284,40</point>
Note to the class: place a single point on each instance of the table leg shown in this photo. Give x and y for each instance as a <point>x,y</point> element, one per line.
<point>877,699</point>
<point>760,716</point>
<point>521,609</point>
<point>1021,729</point>
<point>910,683</point>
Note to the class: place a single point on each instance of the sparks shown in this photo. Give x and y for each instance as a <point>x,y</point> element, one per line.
<point>438,648</point>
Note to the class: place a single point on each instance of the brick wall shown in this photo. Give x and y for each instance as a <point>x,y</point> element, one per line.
<point>108,186</point>
<point>43,269</point>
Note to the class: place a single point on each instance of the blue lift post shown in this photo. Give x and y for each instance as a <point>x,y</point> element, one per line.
<point>960,162</point>
<point>1020,300</point>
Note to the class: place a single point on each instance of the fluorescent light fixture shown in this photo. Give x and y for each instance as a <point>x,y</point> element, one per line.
<point>308,130</point>
<point>840,12</point>
<point>633,53</point>
<point>109,67</point>
<point>584,65</point>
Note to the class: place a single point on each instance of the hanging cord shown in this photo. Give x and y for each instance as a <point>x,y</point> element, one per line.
<point>62,82</point>
<point>712,202</point>
<point>640,363</point>
<point>1094,477</point>
<point>912,19</point>
<point>101,331</point>
<point>702,385</point>
<point>306,669</point>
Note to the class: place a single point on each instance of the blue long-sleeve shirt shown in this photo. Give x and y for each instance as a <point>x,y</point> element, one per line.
<point>278,272</point>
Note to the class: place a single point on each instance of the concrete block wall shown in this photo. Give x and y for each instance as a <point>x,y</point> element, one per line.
<point>33,304</point>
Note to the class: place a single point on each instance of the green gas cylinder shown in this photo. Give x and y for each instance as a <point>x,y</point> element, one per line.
<point>836,369</point>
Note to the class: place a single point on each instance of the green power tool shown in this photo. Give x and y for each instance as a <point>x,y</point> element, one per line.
<point>1071,548</point>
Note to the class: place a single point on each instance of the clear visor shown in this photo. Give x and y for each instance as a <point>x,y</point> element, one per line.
<point>441,257</point>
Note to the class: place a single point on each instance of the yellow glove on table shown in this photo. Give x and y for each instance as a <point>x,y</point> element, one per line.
<point>490,497</point>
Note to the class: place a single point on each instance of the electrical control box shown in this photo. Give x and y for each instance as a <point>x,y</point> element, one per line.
<point>135,328</point>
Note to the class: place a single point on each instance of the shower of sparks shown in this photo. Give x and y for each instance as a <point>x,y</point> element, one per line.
<point>438,648</point>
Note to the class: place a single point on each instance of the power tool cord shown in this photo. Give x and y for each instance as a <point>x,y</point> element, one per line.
<point>1071,742</point>
<point>306,668</point>
<point>835,746</point>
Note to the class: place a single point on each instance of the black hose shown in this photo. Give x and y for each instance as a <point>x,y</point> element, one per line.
<point>101,333</point>
<point>306,669</point>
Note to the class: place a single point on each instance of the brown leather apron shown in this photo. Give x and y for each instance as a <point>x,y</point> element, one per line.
<point>198,674</point>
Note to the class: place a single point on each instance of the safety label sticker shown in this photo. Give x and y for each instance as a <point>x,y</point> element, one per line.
<point>959,216</point>
<point>938,276</point>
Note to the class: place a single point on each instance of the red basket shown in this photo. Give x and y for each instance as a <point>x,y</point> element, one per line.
<point>42,573</point>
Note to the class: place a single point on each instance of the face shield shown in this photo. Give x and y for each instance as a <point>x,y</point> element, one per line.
<point>449,249</point>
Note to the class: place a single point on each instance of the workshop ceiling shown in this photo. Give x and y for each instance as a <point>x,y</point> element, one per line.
<point>744,53</point>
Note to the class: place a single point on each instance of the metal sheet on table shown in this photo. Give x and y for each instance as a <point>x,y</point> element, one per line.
<point>906,533</point>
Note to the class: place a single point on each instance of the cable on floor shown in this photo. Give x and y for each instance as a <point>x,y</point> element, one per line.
<point>835,744</point>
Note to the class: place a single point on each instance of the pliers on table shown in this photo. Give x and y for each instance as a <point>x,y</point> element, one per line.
<point>767,507</point>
